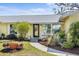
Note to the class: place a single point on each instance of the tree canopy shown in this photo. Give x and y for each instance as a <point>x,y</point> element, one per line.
<point>64,7</point>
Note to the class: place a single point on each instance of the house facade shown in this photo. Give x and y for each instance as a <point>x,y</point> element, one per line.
<point>43,23</point>
<point>67,19</point>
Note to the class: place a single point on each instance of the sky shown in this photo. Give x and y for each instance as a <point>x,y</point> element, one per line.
<point>27,8</point>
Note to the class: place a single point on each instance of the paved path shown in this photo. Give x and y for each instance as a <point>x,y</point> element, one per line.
<point>50,50</point>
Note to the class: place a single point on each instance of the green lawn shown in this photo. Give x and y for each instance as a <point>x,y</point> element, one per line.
<point>27,51</point>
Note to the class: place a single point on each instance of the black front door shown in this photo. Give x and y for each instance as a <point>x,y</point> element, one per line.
<point>35,30</point>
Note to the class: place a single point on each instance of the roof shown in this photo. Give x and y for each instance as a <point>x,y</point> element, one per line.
<point>67,14</point>
<point>31,18</point>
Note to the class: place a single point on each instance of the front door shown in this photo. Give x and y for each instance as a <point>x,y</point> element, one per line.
<point>35,30</point>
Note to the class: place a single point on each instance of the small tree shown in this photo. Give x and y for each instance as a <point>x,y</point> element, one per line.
<point>22,29</point>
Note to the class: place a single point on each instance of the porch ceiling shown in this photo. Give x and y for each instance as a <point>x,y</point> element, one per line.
<point>31,18</point>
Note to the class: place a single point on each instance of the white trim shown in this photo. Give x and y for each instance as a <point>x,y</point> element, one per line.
<point>51,29</point>
<point>8,28</point>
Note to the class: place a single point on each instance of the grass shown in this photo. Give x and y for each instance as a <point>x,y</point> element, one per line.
<point>27,51</point>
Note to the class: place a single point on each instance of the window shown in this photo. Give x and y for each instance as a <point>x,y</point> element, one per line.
<point>48,28</point>
<point>55,28</point>
<point>12,31</point>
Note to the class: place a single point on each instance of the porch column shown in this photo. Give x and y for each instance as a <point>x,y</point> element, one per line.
<point>51,29</point>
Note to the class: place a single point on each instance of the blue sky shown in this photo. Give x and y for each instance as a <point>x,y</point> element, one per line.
<point>27,8</point>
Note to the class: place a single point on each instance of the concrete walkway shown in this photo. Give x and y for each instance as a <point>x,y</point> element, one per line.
<point>50,50</point>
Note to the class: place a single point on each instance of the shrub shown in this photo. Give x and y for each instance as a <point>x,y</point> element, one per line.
<point>68,45</point>
<point>11,36</point>
<point>39,40</point>
<point>20,38</point>
<point>74,33</point>
<point>2,35</point>
<point>77,42</point>
<point>62,34</point>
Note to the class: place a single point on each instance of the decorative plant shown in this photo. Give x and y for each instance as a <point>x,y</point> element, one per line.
<point>62,34</point>
<point>51,41</point>
<point>22,29</point>
<point>59,37</point>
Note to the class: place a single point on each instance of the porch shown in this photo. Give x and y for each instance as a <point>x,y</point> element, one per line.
<point>44,30</point>
<point>42,25</point>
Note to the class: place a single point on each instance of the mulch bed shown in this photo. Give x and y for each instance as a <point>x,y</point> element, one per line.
<point>43,42</point>
<point>11,47</point>
<point>73,50</point>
